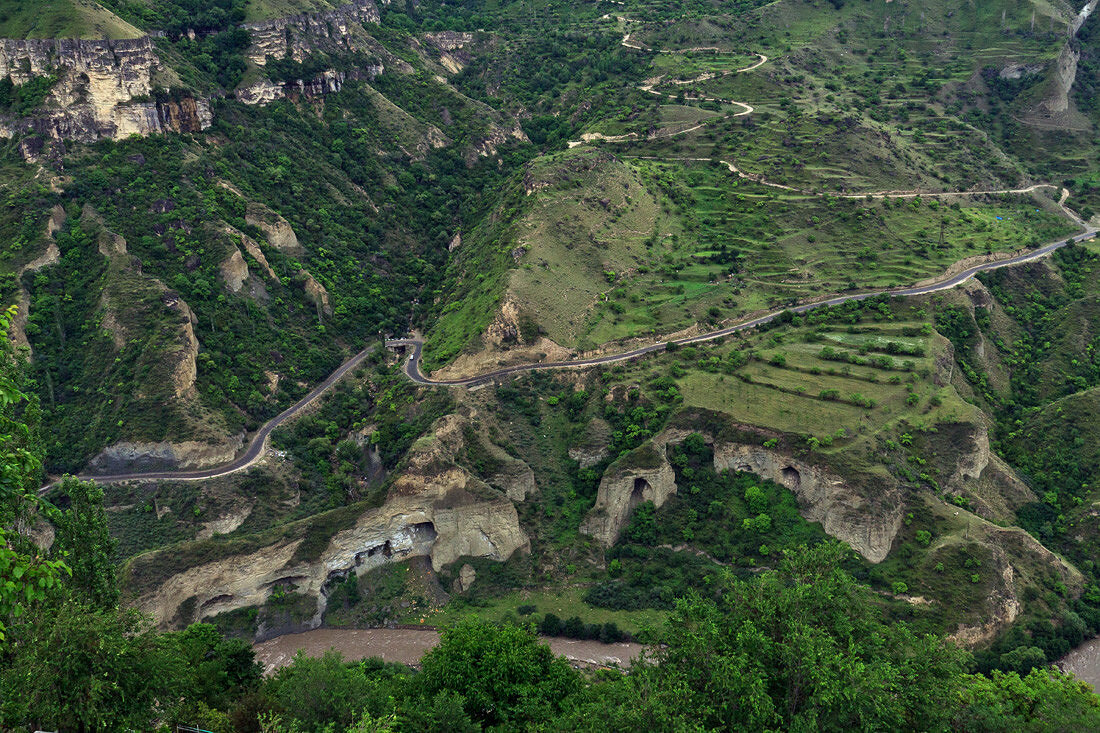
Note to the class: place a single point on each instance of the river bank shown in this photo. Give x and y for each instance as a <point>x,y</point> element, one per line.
<point>407,646</point>
<point>1084,663</point>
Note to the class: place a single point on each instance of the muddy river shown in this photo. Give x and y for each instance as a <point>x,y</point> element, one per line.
<point>407,646</point>
<point>1084,661</point>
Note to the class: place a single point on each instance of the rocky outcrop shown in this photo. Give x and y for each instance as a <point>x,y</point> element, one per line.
<point>642,475</point>
<point>459,436</point>
<point>253,250</point>
<point>276,229</point>
<point>868,521</point>
<point>234,271</point>
<point>184,369</point>
<point>593,445</point>
<point>316,292</point>
<point>1057,102</point>
<point>499,134</point>
<point>1056,105</point>
<point>265,91</point>
<point>435,509</point>
<point>299,36</point>
<point>50,257</point>
<point>163,456</point>
<point>1016,560</point>
<point>962,456</point>
<point>451,46</point>
<point>103,90</point>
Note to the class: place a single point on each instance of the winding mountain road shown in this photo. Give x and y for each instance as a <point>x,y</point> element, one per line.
<point>252,453</point>
<point>412,362</point>
<point>259,440</point>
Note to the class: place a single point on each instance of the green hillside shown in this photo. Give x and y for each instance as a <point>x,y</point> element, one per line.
<point>901,486</point>
<point>61,19</point>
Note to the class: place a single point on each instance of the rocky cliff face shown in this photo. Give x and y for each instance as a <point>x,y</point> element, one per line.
<point>102,91</point>
<point>452,48</point>
<point>593,445</point>
<point>436,509</point>
<point>276,229</point>
<point>298,36</point>
<point>643,475</point>
<point>266,91</point>
<point>867,523</point>
<point>136,457</point>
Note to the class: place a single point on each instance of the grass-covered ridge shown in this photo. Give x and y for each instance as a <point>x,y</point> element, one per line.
<point>85,19</point>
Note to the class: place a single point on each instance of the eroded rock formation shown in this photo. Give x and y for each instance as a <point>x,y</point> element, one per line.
<point>234,271</point>
<point>299,36</point>
<point>103,90</point>
<point>435,509</point>
<point>642,475</point>
<point>868,521</point>
<point>134,457</point>
<point>265,91</point>
<point>593,445</point>
<point>276,229</point>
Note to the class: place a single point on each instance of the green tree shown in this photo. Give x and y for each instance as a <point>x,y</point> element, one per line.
<point>1045,700</point>
<point>77,667</point>
<point>317,692</point>
<point>799,648</point>
<point>1023,659</point>
<point>216,670</point>
<point>505,674</point>
<point>86,543</point>
<point>26,574</point>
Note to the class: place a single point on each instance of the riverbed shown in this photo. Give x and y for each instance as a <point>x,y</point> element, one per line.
<point>1084,662</point>
<point>407,646</point>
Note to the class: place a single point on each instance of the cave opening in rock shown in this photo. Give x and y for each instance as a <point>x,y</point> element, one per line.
<point>637,496</point>
<point>791,477</point>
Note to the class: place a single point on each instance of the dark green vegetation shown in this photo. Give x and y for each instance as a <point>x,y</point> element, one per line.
<point>204,281</point>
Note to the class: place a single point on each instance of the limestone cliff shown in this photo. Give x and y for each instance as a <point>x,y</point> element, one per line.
<point>435,509</point>
<point>299,36</point>
<point>103,90</point>
<point>265,91</point>
<point>642,475</point>
<point>868,521</point>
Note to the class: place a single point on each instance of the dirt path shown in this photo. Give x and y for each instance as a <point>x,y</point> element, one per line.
<point>650,87</point>
<point>407,646</point>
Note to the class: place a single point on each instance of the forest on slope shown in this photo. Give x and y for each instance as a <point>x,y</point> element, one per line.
<point>211,206</point>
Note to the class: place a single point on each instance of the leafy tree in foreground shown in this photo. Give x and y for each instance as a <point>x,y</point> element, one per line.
<point>804,648</point>
<point>505,674</point>
<point>26,575</point>
<point>78,668</point>
<point>83,538</point>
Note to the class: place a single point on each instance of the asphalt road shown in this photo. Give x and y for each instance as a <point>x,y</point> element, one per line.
<point>258,442</point>
<point>255,447</point>
<point>412,362</point>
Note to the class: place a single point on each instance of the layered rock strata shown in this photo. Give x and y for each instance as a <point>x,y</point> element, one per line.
<point>103,90</point>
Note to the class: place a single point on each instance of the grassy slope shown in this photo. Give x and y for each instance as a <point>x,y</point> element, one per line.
<point>893,123</point>
<point>258,10</point>
<point>61,19</point>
